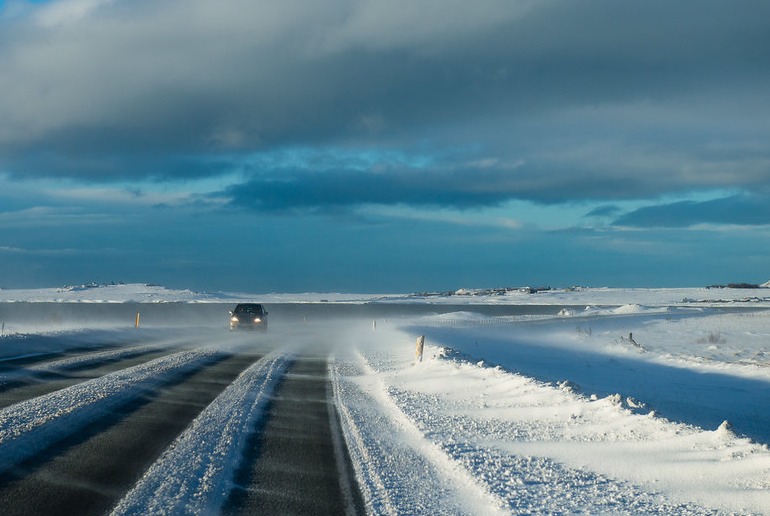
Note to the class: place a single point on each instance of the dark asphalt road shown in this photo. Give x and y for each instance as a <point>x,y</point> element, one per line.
<point>290,465</point>
<point>37,384</point>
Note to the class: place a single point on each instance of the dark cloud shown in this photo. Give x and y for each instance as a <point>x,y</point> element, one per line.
<point>601,99</point>
<point>461,179</point>
<point>456,181</point>
<point>105,168</point>
<point>329,190</point>
<point>604,211</point>
<point>743,210</point>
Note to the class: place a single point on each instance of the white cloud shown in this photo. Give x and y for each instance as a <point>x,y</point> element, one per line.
<point>51,216</point>
<point>488,218</point>
<point>7,249</point>
<point>430,25</point>
<point>65,12</point>
<point>44,252</point>
<point>127,196</point>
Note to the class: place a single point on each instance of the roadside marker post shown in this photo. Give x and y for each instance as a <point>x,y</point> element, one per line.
<point>137,320</point>
<point>420,346</point>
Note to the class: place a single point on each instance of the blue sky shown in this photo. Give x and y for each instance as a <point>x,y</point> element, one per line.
<point>384,146</point>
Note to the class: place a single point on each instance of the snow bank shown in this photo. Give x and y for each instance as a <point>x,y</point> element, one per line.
<point>556,416</point>
<point>399,471</point>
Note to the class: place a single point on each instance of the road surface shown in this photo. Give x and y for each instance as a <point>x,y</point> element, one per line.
<point>293,460</point>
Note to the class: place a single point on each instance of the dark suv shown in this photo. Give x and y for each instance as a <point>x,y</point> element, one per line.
<point>248,315</point>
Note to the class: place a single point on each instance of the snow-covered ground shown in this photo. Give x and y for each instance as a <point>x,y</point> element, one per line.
<point>147,293</point>
<point>630,410</point>
<point>628,401</point>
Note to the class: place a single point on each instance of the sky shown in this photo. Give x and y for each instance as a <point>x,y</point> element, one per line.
<point>384,146</point>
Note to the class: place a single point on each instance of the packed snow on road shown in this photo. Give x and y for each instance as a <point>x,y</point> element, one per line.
<point>622,401</point>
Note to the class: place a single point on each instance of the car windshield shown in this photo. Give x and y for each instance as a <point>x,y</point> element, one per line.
<point>248,309</point>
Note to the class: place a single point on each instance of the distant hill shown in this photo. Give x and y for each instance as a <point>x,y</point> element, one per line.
<point>741,285</point>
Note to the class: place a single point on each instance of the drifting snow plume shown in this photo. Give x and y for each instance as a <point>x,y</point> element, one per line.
<point>725,430</point>
<point>629,309</point>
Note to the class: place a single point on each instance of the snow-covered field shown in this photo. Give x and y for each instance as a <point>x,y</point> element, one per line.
<point>629,401</point>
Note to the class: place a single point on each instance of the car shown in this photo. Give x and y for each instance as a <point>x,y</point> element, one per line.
<point>248,316</point>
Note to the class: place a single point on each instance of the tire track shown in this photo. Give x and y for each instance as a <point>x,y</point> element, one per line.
<point>292,466</point>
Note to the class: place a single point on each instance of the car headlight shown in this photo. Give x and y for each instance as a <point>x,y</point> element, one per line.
<point>233,319</point>
<point>257,320</point>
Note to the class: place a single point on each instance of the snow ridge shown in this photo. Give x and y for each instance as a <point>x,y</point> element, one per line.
<point>399,470</point>
<point>194,475</point>
<point>29,427</point>
<point>371,484</point>
<point>68,363</point>
<point>92,358</point>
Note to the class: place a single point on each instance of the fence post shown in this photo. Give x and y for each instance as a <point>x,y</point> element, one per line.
<point>420,345</point>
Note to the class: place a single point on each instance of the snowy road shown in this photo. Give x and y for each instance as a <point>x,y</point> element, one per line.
<point>179,423</point>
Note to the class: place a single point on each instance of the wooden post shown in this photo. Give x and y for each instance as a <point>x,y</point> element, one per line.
<point>420,345</point>
<point>137,320</point>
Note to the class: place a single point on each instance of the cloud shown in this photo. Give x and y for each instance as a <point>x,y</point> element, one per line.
<point>45,252</point>
<point>599,100</point>
<point>462,178</point>
<point>55,217</point>
<point>604,211</point>
<point>465,219</point>
<point>119,196</point>
<point>300,189</point>
<point>67,11</point>
<point>740,210</point>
